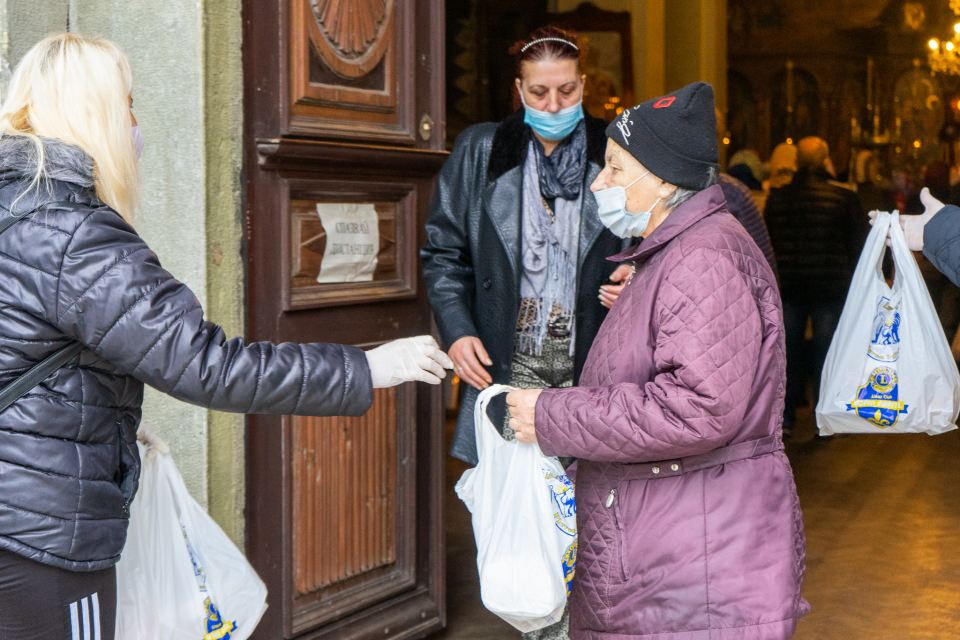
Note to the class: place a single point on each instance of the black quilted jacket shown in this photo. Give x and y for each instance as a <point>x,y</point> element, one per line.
<point>68,459</point>
<point>471,260</point>
<point>817,230</point>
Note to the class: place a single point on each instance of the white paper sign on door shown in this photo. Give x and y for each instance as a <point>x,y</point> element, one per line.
<point>353,241</point>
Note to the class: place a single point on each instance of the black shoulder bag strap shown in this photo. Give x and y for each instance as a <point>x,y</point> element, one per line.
<point>39,372</point>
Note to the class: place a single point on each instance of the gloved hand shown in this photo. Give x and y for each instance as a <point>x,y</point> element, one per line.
<point>913,225</point>
<point>154,443</point>
<point>408,360</point>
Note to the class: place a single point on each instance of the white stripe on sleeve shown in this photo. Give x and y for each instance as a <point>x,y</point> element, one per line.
<point>74,622</point>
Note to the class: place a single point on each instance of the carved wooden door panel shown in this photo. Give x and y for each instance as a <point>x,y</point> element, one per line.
<point>344,515</point>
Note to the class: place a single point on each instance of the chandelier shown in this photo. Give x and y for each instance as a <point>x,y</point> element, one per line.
<point>943,56</point>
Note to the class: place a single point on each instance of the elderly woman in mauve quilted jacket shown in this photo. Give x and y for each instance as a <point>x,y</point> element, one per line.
<point>687,511</point>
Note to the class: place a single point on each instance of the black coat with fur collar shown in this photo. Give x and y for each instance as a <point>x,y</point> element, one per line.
<point>471,260</point>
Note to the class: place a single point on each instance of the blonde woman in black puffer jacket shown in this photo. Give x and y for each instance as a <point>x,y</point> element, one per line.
<point>74,270</point>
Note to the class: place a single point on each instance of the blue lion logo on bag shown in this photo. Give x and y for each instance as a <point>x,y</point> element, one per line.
<point>570,565</point>
<point>877,401</point>
<point>561,490</point>
<point>885,345</point>
<point>565,500</point>
<point>217,628</point>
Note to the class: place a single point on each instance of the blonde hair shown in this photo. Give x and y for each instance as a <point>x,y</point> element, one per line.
<point>76,90</point>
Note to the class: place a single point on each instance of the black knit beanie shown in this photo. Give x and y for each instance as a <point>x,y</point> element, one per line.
<point>675,136</point>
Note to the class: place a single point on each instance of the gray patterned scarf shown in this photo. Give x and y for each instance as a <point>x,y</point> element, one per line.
<point>549,255</point>
<point>561,173</point>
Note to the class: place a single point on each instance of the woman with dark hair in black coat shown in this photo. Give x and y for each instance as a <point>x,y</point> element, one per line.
<point>515,254</point>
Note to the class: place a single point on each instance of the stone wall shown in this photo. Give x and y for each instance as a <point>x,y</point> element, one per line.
<point>32,20</point>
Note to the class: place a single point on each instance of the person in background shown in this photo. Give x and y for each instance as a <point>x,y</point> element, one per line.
<point>746,166</point>
<point>874,193</point>
<point>76,272</point>
<point>516,255</point>
<point>873,190</point>
<point>688,519</point>
<point>742,202</point>
<point>783,164</point>
<point>743,207</point>
<point>817,230</point>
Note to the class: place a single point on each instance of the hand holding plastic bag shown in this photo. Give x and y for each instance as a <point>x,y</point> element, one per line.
<point>180,577</point>
<point>148,437</point>
<point>913,226</point>
<point>889,368</point>
<point>524,521</point>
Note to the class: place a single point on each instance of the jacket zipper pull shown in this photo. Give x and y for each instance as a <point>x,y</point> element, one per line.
<point>609,500</point>
<point>633,272</point>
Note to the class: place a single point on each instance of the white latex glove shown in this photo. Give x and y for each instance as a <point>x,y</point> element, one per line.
<point>154,443</point>
<point>913,225</point>
<point>408,360</point>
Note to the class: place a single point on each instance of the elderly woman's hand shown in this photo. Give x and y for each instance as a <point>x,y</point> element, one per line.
<point>523,411</point>
<point>610,292</point>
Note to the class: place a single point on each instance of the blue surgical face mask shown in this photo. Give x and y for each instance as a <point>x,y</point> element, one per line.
<point>612,203</point>
<point>137,141</point>
<point>553,126</point>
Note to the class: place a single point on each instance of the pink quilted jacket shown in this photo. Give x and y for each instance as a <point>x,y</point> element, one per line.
<point>689,523</point>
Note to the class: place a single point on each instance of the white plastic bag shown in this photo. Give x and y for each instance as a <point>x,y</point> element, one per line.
<point>889,368</point>
<point>179,576</point>
<point>525,524</point>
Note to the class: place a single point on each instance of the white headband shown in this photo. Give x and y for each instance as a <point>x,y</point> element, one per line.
<point>528,45</point>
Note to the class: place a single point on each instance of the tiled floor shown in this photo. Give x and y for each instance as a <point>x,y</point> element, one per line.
<point>882,516</point>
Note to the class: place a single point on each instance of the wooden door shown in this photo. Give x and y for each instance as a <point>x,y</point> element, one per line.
<point>344,106</point>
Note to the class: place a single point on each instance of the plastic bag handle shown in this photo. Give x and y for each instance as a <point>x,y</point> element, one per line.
<point>906,266</point>
<point>488,438</point>
<point>888,225</point>
<point>902,256</point>
<point>885,225</point>
<point>877,239</point>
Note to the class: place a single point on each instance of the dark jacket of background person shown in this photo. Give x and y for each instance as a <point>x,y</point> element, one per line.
<point>743,207</point>
<point>941,242</point>
<point>471,260</point>
<point>69,465</point>
<point>817,230</point>
<point>690,362</point>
